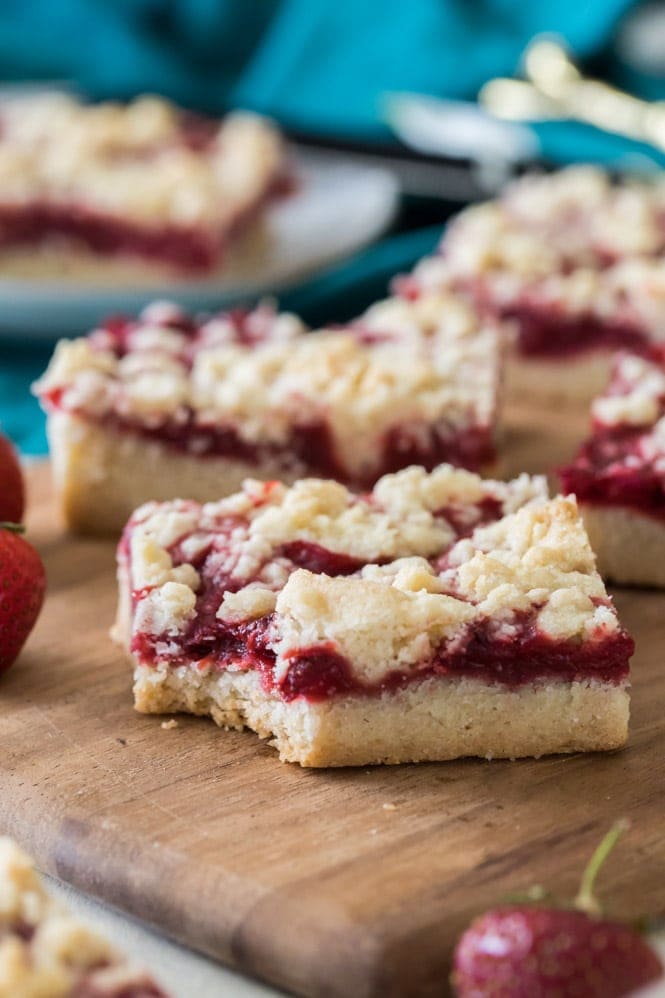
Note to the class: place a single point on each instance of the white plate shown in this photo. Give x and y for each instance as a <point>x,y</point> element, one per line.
<point>337,209</point>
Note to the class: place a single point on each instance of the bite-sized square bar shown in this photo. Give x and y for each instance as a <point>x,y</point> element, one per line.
<point>573,263</point>
<point>47,953</point>
<point>618,474</point>
<point>128,191</point>
<point>166,406</point>
<point>440,615</point>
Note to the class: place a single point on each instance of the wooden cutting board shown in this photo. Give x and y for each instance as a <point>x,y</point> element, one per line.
<point>339,883</point>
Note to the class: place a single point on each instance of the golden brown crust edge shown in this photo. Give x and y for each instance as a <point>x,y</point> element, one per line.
<point>432,721</point>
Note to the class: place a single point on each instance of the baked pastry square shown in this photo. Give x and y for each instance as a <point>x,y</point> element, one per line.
<point>440,615</point>
<point>47,953</point>
<point>573,262</point>
<point>618,475</point>
<point>165,406</point>
<point>141,190</point>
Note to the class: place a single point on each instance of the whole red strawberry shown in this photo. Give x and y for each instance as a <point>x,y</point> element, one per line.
<point>524,951</point>
<point>12,491</point>
<point>22,587</point>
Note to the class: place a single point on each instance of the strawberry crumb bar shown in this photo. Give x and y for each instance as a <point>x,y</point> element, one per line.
<point>618,475</point>
<point>440,615</point>
<point>165,406</point>
<point>46,953</point>
<point>573,263</point>
<point>126,191</point>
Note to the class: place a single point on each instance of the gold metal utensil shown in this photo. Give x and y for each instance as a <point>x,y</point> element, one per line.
<point>555,89</point>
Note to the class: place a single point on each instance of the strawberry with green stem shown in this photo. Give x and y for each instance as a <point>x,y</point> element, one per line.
<point>529,951</point>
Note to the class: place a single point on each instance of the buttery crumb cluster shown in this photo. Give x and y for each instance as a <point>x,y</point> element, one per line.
<point>145,161</point>
<point>635,396</point>
<point>386,580</point>
<point>416,374</point>
<point>573,242</point>
<point>46,953</point>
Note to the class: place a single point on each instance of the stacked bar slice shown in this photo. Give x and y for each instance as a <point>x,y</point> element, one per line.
<point>46,953</point>
<point>438,616</point>
<point>165,406</point>
<point>573,263</point>
<point>618,474</point>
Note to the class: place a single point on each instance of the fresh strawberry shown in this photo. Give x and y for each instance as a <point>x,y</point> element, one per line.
<point>527,951</point>
<point>22,587</point>
<point>12,491</point>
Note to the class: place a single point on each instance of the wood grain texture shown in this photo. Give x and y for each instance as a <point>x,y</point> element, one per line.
<point>304,878</point>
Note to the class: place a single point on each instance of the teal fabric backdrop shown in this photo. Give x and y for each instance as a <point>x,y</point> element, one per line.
<point>318,66</point>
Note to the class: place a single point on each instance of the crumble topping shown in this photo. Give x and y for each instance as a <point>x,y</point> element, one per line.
<point>378,628</point>
<point>252,602</point>
<point>388,579</point>
<point>397,519</point>
<point>421,371</point>
<point>576,214</point>
<point>134,160</point>
<point>571,241</point>
<point>636,393</point>
<point>167,609</point>
<point>388,621</point>
<point>44,951</point>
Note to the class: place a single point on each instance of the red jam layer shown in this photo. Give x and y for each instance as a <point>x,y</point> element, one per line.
<point>311,445</point>
<point>187,248</point>
<point>319,672</point>
<point>542,332</point>
<point>610,471</point>
<point>545,330</point>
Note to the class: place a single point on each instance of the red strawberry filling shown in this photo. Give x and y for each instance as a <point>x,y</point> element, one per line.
<point>320,671</point>
<point>512,657</point>
<point>610,470</point>
<point>550,333</point>
<point>544,329</point>
<point>185,247</point>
